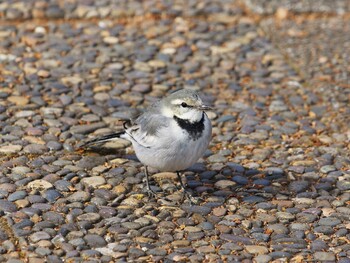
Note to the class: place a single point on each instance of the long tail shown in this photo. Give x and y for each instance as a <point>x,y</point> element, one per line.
<point>102,139</point>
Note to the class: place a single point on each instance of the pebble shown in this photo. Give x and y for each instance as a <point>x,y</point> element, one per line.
<point>94,181</point>
<point>16,196</point>
<point>41,235</point>
<point>324,256</point>
<point>79,196</point>
<point>39,185</point>
<point>35,149</point>
<point>299,186</point>
<point>8,149</point>
<point>89,162</point>
<point>236,239</point>
<point>217,158</point>
<point>327,169</point>
<point>256,250</point>
<point>240,179</point>
<point>90,217</point>
<point>224,184</point>
<point>343,185</point>
<point>202,210</point>
<point>7,206</point>
<point>263,258</point>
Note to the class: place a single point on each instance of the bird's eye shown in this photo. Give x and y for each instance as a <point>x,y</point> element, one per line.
<point>184,105</point>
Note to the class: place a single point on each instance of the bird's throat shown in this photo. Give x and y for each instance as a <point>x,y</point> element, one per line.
<point>194,129</point>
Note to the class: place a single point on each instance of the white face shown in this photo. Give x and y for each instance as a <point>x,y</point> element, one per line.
<point>186,109</point>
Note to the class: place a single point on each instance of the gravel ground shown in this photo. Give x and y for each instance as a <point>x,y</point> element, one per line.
<point>268,7</point>
<point>274,184</point>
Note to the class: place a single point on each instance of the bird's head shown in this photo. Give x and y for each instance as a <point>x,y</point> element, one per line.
<point>184,104</point>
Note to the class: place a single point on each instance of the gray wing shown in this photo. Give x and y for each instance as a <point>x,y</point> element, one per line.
<point>145,127</point>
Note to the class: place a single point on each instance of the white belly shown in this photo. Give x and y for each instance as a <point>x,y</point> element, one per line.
<point>174,150</point>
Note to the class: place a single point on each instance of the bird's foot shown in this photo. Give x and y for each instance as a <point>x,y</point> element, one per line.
<point>152,194</point>
<point>187,195</point>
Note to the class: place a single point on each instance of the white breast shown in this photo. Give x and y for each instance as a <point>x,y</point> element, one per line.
<point>173,150</point>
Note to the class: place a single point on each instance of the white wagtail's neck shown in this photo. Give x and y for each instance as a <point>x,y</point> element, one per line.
<point>194,129</point>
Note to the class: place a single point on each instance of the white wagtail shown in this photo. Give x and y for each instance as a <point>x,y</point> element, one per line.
<point>170,135</point>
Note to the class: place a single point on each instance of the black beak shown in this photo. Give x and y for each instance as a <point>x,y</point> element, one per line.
<point>205,107</point>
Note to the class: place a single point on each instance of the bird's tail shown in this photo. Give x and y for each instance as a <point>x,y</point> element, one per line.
<point>102,139</point>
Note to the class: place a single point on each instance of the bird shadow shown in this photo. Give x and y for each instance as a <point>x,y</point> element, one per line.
<point>248,185</point>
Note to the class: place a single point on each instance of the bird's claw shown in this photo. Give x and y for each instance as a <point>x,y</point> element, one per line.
<point>152,193</point>
<point>188,196</point>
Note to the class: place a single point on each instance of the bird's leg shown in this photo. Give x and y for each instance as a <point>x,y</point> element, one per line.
<point>150,192</point>
<point>186,193</point>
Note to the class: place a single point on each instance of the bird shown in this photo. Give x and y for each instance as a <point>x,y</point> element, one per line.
<point>170,135</point>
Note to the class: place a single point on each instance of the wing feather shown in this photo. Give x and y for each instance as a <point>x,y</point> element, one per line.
<point>145,128</point>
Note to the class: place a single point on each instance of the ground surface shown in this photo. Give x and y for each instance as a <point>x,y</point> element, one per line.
<point>275,183</point>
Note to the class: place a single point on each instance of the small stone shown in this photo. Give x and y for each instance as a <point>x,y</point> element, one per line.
<point>93,182</point>
<point>217,158</point>
<point>7,206</point>
<point>53,217</point>
<point>90,217</point>
<point>224,184</point>
<point>329,221</point>
<point>327,230</point>
<point>240,179</point>
<point>299,186</point>
<point>206,249</point>
<point>278,106</point>
<point>285,216</point>
<point>136,253</point>
<point>37,236</point>
<point>203,210</point>
<point>324,256</point>
<point>111,40</point>
<point>9,149</point>
<point>54,146</point>
<point>52,195</point>
<point>16,196</point>
<point>327,169</point>
<point>22,170</point>
<point>79,196</point>
<point>262,259</point>
<point>39,185</point>
<point>343,185</point>
<point>89,162</point>
<point>35,149</point>
<point>319,245</point>
<point>257,250</point>
<point>18,100</point>
<point>95,241</point>
<point>87,128</point>
<point>142,88</point>
<point>237,239</point>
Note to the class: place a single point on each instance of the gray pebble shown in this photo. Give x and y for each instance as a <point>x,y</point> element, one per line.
<point>89,162</point>
<point>54,146</point>
<point>54,217</point>
<point>324,256</point>
<point>16,196</point>
<point>343,185</point>
<point>79,196</point>
<point>203,210</point>
<point>52,195</point>
<point>41,235</point>
<point>95,241</point>
<point>35,149</point>
<point>299,186</point>
<point>7,206</point>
